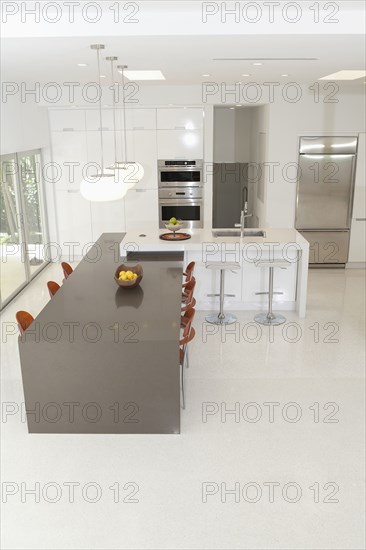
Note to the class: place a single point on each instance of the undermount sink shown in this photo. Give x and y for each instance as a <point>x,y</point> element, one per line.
<point>236,233</point>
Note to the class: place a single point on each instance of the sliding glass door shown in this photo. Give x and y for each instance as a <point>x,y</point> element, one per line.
<point>23,232</point>
<point>14,274</point>
<point>29,164</point>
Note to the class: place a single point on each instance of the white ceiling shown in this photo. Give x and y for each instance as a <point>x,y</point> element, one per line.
<point>183,60</point>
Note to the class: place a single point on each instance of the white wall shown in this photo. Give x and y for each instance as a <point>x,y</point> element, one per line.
<point>24,126</point>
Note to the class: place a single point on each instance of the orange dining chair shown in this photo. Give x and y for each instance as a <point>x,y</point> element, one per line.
<point>186,320</point>
<point>188,273</point>
<point>67,269</point>
<point>188,289</point>
<point>52,288</point>
<point>24,319</point>
<point>182,355</point>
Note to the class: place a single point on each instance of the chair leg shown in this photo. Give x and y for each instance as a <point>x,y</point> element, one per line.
<point>182,385</point>
<point>187,356</point>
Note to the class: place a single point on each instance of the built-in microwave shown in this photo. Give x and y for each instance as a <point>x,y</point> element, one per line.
<point>180,173</point>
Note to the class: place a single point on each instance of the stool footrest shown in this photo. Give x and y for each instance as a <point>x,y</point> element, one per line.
<point>260,293</point>
<point>226,295</point>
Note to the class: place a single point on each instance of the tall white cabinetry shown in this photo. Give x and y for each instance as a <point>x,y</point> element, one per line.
<point>357,248</point>
<point>180,133</point>
<point>166,133</point>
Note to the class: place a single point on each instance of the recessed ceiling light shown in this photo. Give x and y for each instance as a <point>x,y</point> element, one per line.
<point>82,65</point>
<point>206,74</point>
<point>103,76</point>
<point>231,107</point>
<point>285,75</point>
<point>257,64</point>
<point>245,75</point>
<point>344,75</point>
<point>144,75</point>
<point>238,105</point>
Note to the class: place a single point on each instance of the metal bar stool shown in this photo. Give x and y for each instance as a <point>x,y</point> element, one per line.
<point>270,318</point>
<point>222,318</point>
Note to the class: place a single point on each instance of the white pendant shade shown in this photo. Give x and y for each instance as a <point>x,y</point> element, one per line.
<point>128,173</point>
<point>103,188</point>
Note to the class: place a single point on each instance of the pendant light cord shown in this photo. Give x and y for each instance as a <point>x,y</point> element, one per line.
<point>100,114</point>
<point>124,111</point>
<point>114,114</point>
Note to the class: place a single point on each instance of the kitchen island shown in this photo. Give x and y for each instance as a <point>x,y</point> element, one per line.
<point>104,359</point>
<point>247,285</point>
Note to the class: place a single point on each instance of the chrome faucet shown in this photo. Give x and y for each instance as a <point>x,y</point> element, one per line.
<point>243,215</point>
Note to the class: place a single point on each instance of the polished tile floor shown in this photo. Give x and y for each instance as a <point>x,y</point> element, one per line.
<point>271,454</point>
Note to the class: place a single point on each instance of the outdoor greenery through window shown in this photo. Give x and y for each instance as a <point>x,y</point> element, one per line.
<point>23,223</point>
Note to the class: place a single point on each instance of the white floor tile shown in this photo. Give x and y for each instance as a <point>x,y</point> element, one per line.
<point>317,378</point>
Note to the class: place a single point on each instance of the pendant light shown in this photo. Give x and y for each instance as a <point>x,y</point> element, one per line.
<point>102,186</point>
<point>129,172</point>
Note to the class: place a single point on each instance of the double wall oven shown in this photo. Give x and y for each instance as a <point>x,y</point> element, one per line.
<point>181,191</point>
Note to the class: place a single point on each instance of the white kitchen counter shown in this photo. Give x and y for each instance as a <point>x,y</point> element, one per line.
<point>290,284</point>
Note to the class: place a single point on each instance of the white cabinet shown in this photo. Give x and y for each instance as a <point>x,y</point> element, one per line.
<point>142,148</point>
<point>208,281</point>
<point>180,119</point>
<point>256,279</point>
<point>141,208</point>
<point>359,201</point>
<point>357,245</point>
<point>107,217</point>
<point>94,145</point>
<point>140,119</point>
<point>180,144</point>
<point>93,120</point>
<point>67,120</point>
<point>69,154</point>
<point>74,221</point>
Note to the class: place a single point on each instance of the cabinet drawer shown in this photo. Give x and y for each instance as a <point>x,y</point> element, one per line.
<point>357,245</point>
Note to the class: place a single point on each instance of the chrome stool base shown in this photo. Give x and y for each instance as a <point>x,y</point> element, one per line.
<point>222,318</point>
<point>216,319</point>
<point>269,320</point>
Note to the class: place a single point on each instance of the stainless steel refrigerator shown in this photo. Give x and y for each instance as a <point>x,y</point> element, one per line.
<point>324,197</point>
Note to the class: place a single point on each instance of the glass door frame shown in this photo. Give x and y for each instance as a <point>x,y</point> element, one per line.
<point>22,220</point>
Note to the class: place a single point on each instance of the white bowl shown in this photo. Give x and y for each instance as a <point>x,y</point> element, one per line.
<point>175,227</point>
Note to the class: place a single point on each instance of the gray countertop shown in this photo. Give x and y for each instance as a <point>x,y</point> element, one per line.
<point>96,342</point>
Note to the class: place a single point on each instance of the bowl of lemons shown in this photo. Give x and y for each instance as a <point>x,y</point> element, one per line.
<point>128,276</point>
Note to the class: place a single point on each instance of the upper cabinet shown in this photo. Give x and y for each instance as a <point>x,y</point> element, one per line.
<point>93,120</point>
<point>136,119</point>
<point>180,144</point>
<point>67,120</point>
<point>180,119</point>
<point>140,119</point>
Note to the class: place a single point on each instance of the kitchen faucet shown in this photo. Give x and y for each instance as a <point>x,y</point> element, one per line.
<point>243,215</point>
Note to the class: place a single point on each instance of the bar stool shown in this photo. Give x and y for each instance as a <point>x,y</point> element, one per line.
<point>270,318</point>
<point>222,318</point>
